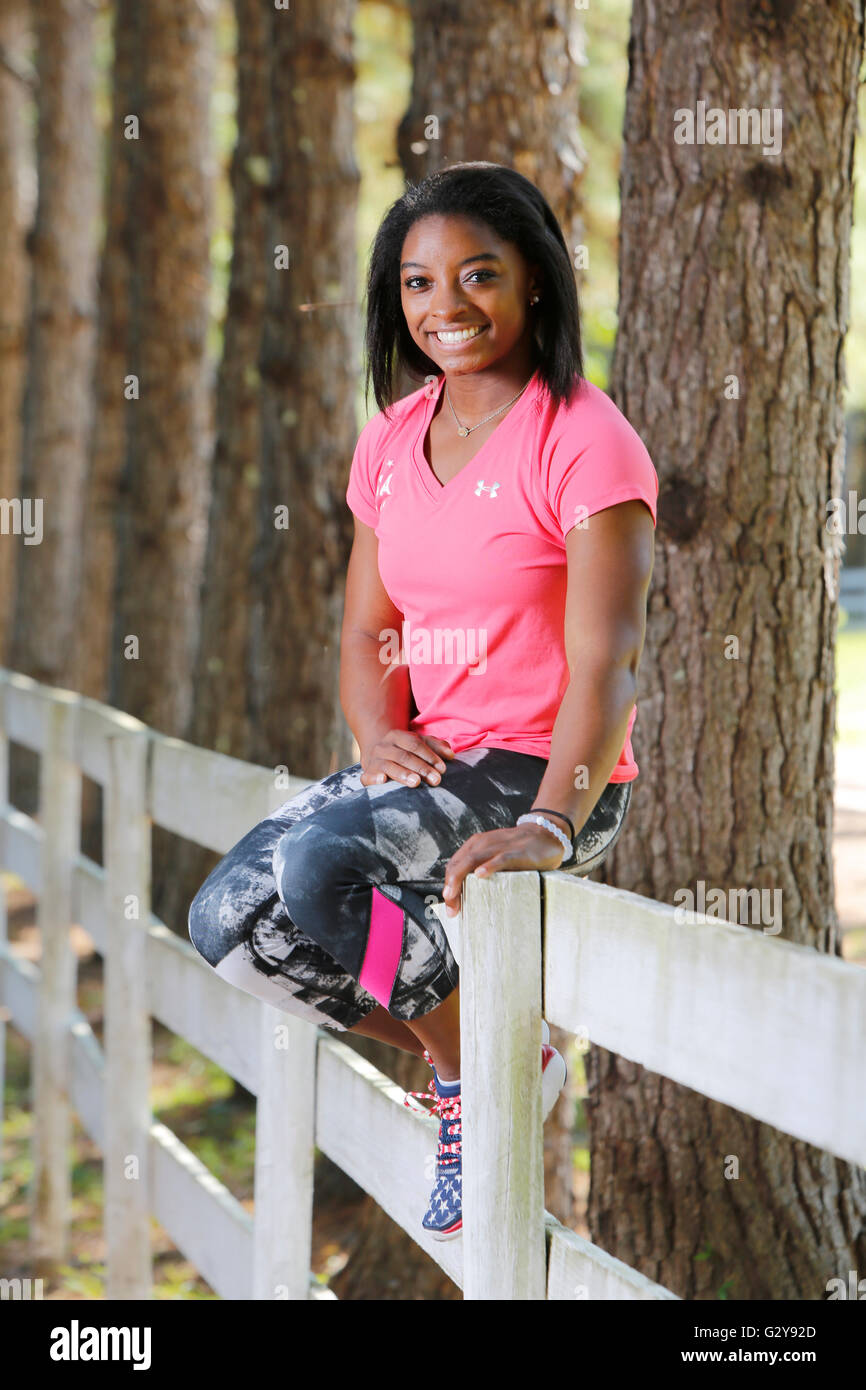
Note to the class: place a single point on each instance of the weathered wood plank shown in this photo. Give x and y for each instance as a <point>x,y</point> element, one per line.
<point>26,711</point>
<point>285,1147</point>
<point>360,1120</point>
<point>189,997</point>
<point>19,990</point>
<point>22,841</point>
<point>59,809</point>
<point>87,1078</point>
<point>209,798</point>
<point>500,1065</point>
<point>127,1022</point>
<point>578,1270</point>
<point>774,1029</point>
<point>201,1216</point>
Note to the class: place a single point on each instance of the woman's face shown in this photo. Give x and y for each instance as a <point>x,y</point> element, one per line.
<point>460,280</point>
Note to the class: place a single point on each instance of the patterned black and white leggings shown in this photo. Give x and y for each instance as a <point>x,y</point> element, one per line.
<point>324,908</point>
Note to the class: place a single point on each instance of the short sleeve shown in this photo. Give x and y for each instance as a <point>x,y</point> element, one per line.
<point>361,492</point>
<point>602,462</point>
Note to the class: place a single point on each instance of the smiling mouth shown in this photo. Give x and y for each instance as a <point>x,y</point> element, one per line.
<point>460,335</point>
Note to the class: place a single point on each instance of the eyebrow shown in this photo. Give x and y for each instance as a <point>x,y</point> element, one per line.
<point>482,256</point>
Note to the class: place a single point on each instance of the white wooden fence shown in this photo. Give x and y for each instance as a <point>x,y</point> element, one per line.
<point>775,1030</point>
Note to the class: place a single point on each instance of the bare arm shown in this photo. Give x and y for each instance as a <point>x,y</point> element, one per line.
<point>611,561</point>
<point>375,695</point>
<point>609,569</point>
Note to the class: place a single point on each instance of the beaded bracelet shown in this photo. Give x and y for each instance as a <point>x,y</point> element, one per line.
<point>561,836</point>
<point>561,815</point>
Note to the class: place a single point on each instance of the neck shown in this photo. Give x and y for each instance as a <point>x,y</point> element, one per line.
<point>476,394</point>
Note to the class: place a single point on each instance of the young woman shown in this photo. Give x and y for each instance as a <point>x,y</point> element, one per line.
<point>494,621</point>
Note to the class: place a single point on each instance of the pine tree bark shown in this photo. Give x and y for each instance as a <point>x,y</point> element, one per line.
<point>163,486</point>
<point>748,278</point>
<point>17,84</point>
<point>309,366</point>
<point>501,84</point>
<point>60,340</point>
<point>108,441</point>
<point>107,451</point>
<point>220,717</point>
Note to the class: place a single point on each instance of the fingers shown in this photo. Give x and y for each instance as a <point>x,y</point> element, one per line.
<point>403,757</point>
<point>441,746</point>
<point>491,851</point>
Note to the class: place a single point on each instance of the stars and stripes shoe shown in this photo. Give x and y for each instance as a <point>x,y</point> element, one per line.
<point>444,1215</point>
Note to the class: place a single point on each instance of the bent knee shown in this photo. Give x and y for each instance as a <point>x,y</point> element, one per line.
<point>307,868</point>
<point>212,930</point>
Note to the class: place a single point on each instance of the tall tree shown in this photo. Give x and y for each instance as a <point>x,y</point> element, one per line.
<point>220,716</point>
<point>309,369</point>
<point>163,486</point>
<point>728,362</point>
<point>499,83</point>
<point>56,412</point>
<point>16,86</point>
<point>108,441</point>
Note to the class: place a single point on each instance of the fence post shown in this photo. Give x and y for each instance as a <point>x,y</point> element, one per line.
<point>127,1020</point>
<point>59,817</point>
<point>504,1254</point>
<point>285,1138</point>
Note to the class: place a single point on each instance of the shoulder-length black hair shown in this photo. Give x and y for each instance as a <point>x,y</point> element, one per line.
<point>515,209</point>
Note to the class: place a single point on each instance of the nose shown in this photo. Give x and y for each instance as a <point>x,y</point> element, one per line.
<point>447,303</point>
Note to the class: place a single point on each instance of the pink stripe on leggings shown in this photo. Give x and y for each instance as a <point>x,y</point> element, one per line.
<point>384,946</point>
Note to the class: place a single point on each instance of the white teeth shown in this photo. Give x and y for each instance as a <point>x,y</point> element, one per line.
<point>460,336</point>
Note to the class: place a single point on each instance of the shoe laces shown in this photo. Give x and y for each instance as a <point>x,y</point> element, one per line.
<point>448,1111</point>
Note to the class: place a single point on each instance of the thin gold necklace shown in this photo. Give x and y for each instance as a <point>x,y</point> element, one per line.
<point>467,429</point>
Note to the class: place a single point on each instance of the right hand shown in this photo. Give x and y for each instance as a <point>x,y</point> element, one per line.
<point>404,757</point>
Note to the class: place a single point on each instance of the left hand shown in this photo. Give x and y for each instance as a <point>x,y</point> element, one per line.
<point>527,846</point>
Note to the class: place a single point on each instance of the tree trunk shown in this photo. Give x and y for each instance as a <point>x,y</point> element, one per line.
<point>501,84</point>
<point>17,85</point>
<point>162,521</point>
<point>108,440</point>
<point>220,717</point>
<point>162,495</point>
<point>56,410</point>
<point>309,370</point>
<point>729,350</point>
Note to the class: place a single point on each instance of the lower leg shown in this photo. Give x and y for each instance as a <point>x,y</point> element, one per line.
<point>380,1025</point>
<point>439,1031</point>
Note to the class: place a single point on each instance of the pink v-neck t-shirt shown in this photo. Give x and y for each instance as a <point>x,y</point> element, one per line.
<point>477,566</point>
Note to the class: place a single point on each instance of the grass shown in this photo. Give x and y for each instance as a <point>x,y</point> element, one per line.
<point>851,686</point>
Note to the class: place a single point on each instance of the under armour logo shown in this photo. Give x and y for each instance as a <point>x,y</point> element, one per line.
<point>492,488</point>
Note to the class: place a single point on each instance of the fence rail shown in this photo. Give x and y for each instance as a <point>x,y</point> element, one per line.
<point>774,1029</point>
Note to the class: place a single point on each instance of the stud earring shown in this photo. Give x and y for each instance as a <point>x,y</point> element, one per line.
<point>535,298</point>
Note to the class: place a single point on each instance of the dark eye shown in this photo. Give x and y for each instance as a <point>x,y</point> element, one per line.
<point>409,282</point>
<point>488,274</point>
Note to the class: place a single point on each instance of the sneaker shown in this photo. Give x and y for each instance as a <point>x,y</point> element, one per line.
<point>444,1215</point>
